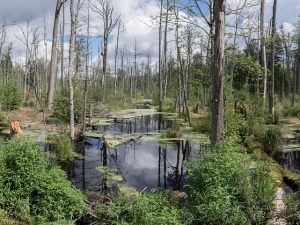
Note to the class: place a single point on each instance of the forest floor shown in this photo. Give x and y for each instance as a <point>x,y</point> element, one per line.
<point>28,114</point>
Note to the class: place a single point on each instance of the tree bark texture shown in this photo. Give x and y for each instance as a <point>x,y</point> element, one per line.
<point>53,63</point>
<point>218,73</point>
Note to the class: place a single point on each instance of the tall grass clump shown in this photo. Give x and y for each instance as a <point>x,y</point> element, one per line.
<point>290,112</point>
<point>223,191</point>
<point>271,140</point>
<point>203,124</point>
<point>31,190</point>
<point>172,132</point>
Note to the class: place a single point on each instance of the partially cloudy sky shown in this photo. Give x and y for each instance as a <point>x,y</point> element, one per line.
<point>135,14</point>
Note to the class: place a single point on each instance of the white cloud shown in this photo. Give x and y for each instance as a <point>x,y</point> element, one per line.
<point>288,27</point>
<point>135,16</point>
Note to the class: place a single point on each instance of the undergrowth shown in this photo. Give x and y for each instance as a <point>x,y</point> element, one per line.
<point>31,190</point>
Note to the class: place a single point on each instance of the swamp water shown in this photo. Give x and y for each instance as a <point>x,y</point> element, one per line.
<point>289,155</point>
<point>142,163</point>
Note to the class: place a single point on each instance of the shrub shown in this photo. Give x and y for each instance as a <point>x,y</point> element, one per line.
<point>222,191</point>
<point>11,96</point>
<point>63,146</point>
<point>236,128</point>
<point>290,112</point>
<point>151,208</point>
<point>271,140</point>
<point>3,120</point>
<point>173,132</point>
<point>61,106</point>
<point>203,124</point>
<point>32,190</point>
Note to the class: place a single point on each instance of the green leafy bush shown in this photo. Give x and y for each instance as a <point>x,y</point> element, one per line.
<point>154,207</point>
<point>4,120</point>
<point>32,190</point>
<point>290,112</point>
<point>63,146</point>
<point>236,128</point>
<point>11,96</point>
<point>61,106</point>
<point>203,124</point>
<point>222,191</point>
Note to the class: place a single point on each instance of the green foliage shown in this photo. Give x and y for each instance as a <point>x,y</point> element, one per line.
<point>271,140</point>
<point>63,146</point>
<point>153,208</point>
<point>292,203</point>
<point>203,124</point>
<point>173,132</point>
<point>10,96</point>
<point>236,128</point>
<point>3,120</point>
<point>29,104</point>
<point>61,105</point>
<point>256,116</point>
<point>222,191</point>
<point>170,133</point>
<point>290,112</point>
<point>32,190</point>
<point>246,72</point>
<point>168,105</point>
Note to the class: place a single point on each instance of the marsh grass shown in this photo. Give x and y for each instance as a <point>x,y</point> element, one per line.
<point>271,140</point>
<point>203,124</point>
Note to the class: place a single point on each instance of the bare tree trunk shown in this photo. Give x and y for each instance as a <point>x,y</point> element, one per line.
<point>295,84</point>
<point>271,99</point>
<point>218,72</point>
<point>71,71</point>
<point>263,49</point>
<point>62,47</point>
<point>165,63</point>
<point>288,62</point>
<point>116,58</point>
<point>86,69</point>
<point>159,60</point>
<point>53,63</point>
<point>105,11</point>
<point>46,57</point>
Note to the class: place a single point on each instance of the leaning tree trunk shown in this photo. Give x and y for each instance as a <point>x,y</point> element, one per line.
<point>53,63</point>
<point>218,73</point>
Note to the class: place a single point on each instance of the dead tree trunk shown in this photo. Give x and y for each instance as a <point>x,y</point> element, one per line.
<point>218,73</point>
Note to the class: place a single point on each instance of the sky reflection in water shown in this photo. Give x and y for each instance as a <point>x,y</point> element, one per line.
<point>142,164</point>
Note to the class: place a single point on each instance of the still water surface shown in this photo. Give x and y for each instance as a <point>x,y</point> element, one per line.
<point>143,164</point>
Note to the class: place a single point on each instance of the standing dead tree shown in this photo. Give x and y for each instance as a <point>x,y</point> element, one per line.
<point>218,72</point>
<point>71,69</point>
<point>105,10</point>
<point>53,63</point>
